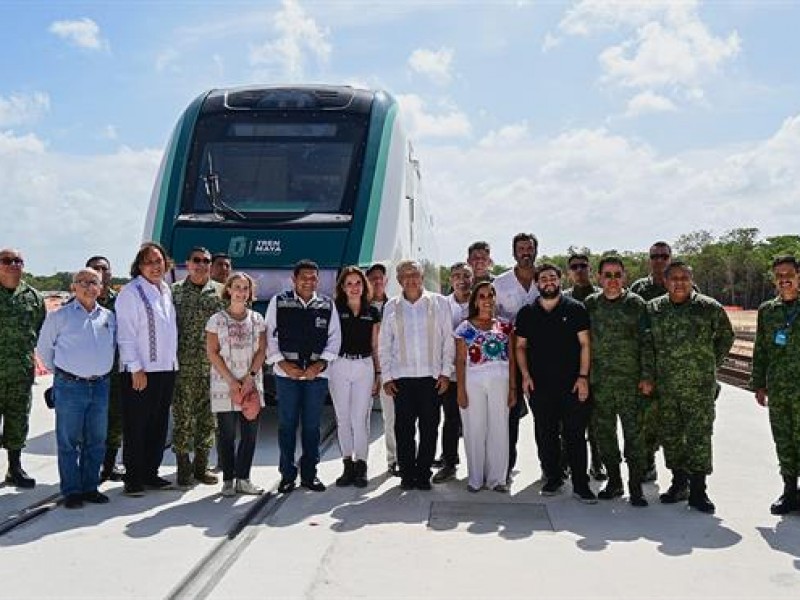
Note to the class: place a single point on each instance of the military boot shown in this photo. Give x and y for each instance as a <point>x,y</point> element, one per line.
<point>697,494</point>
<point>16,474</point>
<point>184,477</point>
<point>597,471</point>
<point>678,490</point>
<point>201,471</point>
<point>636,493</point>
<point>348,476</point>
<point>613,487</point>
<point>360,480</point>
<point>789,500</point>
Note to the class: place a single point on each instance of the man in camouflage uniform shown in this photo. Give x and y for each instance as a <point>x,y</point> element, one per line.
<point>196,298</point>
<point>618,377</point>
<point>21,316</point>
<point>582,288</point>
<point>690,335</point>
<point>776,364</point>
<point>649,288</point>
<point>107,299</point>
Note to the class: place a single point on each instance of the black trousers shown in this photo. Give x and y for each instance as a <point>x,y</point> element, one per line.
<point>514,415</point>
<point>416,404</point>
<point>558,414</point>
<point>451,429</point>
<point>145,419</point>
<point>236,463</point>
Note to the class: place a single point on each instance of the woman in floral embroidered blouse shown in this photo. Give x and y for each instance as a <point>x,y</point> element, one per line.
<point>485,364</point>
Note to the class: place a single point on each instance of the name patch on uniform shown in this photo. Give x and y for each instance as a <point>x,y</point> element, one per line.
<point>321,323</point>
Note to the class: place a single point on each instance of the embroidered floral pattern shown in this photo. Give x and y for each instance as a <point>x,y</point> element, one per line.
<point>486,346</point>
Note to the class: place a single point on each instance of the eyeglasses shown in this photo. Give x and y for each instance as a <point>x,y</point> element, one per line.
<point>201,259</point>
<point>659,256</point>
<point>87,284</point>
<point>578,266</point>
<point>7,261</point>
<point>612,274</point>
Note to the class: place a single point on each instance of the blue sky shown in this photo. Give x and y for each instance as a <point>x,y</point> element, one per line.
<point>604,124</point>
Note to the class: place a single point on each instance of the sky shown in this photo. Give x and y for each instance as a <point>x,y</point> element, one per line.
<point>605,125</point>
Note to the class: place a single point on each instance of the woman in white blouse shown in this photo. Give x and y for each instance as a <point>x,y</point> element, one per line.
<point>147,335</point>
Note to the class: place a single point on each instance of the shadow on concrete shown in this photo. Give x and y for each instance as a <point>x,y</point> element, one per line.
<point>784,537</point>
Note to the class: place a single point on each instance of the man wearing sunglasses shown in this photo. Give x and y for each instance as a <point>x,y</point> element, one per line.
<point>582,287</point>
<point>21,316</point>
<point>618,376</point>
<point>196,299</point>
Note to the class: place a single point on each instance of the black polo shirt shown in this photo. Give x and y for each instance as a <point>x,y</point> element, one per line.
<point>357,329</point>
<point>554,352</point>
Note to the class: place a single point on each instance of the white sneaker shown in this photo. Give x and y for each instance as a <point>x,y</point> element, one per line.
<point>245,486</point>
<point>228,488</point>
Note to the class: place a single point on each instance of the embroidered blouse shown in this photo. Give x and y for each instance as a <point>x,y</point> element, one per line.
<point>486,346</point>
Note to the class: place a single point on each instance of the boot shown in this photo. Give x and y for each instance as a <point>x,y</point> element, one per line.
<point>348,474</point>
<point>697,494</point>
<point>184,477</point>
<point>636,493</point>
<point>201,470</point>
<point>109,461</point>
<point>789,500</point>
<point>360,480</point>
<point>613,487</point>
<point>16,474</point>
<point>678,490</point>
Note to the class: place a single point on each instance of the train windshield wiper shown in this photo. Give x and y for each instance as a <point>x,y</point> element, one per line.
<point>214,194</point>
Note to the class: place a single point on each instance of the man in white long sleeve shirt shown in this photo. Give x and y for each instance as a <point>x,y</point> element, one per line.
<point>416,355</point>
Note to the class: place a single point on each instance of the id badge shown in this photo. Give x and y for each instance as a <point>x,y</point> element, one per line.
<point>781,337</point>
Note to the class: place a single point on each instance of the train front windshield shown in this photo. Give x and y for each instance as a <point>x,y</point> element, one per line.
<point>275,164</point>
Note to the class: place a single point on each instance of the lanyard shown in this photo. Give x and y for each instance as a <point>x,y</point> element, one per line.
<point>791,317</point>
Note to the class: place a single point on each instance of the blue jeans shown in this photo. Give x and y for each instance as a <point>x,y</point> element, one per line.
<point>299,402</point>
<point>81,422</point>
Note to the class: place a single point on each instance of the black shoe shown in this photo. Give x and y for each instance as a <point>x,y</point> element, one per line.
<point>552,487</point>
<point>407,484</point>
<point>16,475</point>
<point>360,480</point>
<point>438,463</point>
<point>286,486</point>
<point>95,497</point>
<point>698,499</point>
<point>348,476</point>
<point>598,473</point>
<point>424,485</point>
<point>584,494</point>
<point>613,489</point>
<point>134,490</point>
<point>636,495</point>
<point>788,501</point>
<point>73,501</point>
<point>315,485</point>
<point>678,490</point>
<point>446,473</point>
<point>393,470</point>
<point>157,483</point>
<point>117,473</point>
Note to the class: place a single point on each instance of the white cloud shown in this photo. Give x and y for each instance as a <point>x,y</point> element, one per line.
<point>297,36</point>
<point>590,16</point>
<point>434,64</point>
<point>451,123</point>
<point>550,41</point>
<point>69,207</point>
<point>23,109</point>
<point>649,102</point>
<point>84,33</point>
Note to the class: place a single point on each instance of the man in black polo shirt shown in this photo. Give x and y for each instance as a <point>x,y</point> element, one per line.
<point>553,356</point>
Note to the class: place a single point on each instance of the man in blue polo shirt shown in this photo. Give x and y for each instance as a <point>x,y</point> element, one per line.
<point>77,345</point>
<point>303,336</point>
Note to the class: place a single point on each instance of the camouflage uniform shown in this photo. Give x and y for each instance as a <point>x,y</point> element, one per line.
<point>191,407</point>
<point>581,293</point>
<point>776,368</point>
<point>114,435</point>
<point>617,330</point>
<point>687,343</point>
<point>21,316</point>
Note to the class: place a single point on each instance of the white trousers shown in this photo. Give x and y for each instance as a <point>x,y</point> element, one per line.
<point>350,382</point>
<point>387,410</point>
<point>485,425</point>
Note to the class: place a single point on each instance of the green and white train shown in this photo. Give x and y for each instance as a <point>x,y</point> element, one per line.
<point>272,175</point>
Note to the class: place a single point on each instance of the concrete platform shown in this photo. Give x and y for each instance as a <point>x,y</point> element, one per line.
<point>383,543</point>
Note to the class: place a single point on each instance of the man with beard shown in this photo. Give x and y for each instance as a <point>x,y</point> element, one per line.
<point>516,288</point>
<point>690,335</point>
<point>776,362</point>
<point>458,300</point>
<point>552,349</point>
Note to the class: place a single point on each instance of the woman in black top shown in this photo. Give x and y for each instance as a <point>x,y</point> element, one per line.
<point>354,378</point>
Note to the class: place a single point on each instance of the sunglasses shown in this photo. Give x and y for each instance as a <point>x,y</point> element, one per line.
<point>662,256</point>
<point>578,266</point>
<point>201,259</point>
<point>612,274</point>
<point>18,262</point>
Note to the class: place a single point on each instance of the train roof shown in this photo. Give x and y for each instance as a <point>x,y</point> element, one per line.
<point>291,97</point>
